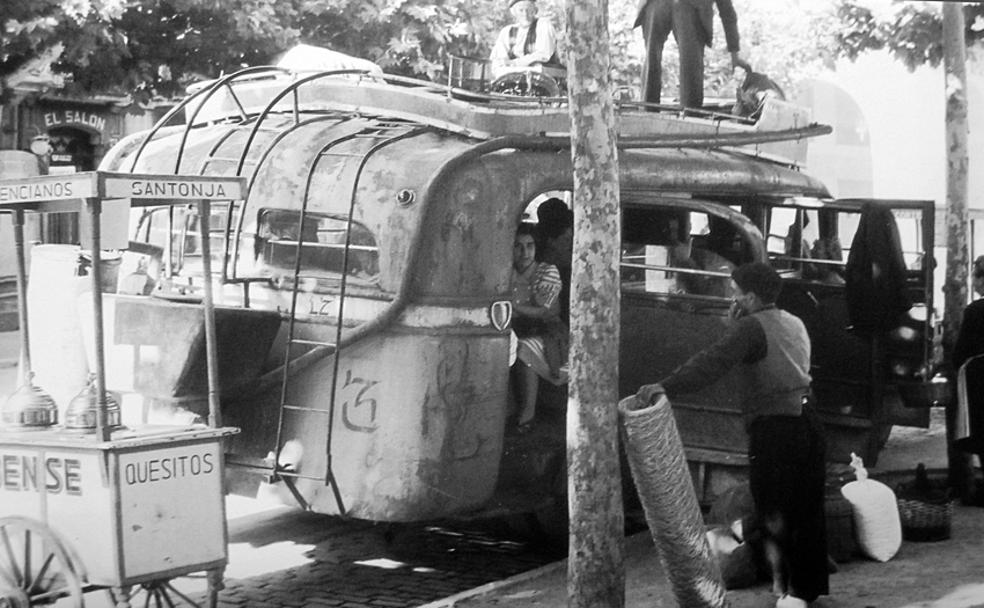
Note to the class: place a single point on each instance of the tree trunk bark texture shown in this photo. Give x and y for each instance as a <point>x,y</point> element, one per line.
<point>957,257</point>
<point>596,575</point>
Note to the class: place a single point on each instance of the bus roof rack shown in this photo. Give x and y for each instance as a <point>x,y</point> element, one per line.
<point>780,132</point>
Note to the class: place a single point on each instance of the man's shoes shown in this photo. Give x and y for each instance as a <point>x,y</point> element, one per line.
<point>791,601</point>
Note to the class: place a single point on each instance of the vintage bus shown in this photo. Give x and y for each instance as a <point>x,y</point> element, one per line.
<point>364,284</point>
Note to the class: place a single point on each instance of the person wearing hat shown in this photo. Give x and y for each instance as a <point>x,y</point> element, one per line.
<point>691,22</point>
<point>528,41</point>
<point>770,349</point>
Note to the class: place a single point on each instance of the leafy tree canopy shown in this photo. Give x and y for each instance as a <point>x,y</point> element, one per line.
<point>143,48</point>
<point>156,47</point>
<point>911,31</point>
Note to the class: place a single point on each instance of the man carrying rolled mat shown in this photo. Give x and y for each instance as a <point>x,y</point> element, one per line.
<point>771,350</point>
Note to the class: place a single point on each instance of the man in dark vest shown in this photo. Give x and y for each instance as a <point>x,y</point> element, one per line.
<point>691,22</point>
<point>526,42</point>
<point>771,351</point>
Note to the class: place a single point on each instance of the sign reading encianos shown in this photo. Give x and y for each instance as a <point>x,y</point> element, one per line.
<point>48,188</point>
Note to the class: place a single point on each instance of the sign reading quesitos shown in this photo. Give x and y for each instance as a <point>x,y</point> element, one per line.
<point>119,186</point>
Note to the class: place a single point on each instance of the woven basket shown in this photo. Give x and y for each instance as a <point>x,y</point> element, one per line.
<point>924,521</point>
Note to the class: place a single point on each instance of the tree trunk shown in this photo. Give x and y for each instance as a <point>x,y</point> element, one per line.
<point>596,575</point>
<point>957,257</point>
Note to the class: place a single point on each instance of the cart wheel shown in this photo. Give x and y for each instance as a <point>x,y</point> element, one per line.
<point>35,567</point>
<point>162,594</point>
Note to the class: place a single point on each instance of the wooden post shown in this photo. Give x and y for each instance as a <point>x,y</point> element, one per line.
<point>596,573</point>
<point>94,208</point>
<point>957,219</point>
<point>208,312</point>
<point>25,335</point>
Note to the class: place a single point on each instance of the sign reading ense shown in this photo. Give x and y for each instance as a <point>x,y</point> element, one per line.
<point>22,474</point>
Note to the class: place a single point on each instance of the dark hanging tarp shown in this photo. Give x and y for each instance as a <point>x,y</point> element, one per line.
<point>876,273</point>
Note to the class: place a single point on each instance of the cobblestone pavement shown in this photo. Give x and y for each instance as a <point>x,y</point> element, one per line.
<point>286,557</point>
<point>354,564</point>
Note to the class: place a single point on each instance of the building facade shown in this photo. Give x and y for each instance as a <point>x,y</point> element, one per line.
<point>64,135</point>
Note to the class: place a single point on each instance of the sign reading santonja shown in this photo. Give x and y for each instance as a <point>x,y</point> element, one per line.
<point>183,187</point>
<point>100,184</point>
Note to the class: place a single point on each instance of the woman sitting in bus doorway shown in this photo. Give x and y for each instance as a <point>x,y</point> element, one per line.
<point>541,348</point>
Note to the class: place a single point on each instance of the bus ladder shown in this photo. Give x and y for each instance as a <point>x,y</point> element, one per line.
<point>382,134</point>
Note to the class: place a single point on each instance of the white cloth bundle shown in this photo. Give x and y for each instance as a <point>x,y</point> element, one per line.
<point>876,514</point>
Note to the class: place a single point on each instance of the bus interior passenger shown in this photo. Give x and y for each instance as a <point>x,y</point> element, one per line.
<point>541,338</point>
<point>662,254</point>
<point>823,261</point>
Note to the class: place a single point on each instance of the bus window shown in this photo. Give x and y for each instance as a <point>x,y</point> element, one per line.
<point>181,224</point>
<point>673,251</point>
<point>791,235</point>
<point>807,243</point>
<point>909,222</point>
<point>322,240</point>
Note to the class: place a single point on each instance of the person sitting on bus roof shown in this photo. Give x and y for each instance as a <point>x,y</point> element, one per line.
<point>542,338</point>
<point>528,41</point>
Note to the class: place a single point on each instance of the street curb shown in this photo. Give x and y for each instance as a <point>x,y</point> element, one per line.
<point>522,577</point>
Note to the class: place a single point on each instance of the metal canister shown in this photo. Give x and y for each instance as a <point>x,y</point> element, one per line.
<point>81,412</point>
<point>29,407</point>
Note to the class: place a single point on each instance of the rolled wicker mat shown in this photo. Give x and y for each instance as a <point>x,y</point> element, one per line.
<point>659,469</point>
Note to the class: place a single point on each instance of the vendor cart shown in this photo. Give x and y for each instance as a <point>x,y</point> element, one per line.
<point>108,507</point>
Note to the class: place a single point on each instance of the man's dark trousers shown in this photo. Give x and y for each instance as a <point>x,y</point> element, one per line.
<point>658,19</point>
<point>692,24</point>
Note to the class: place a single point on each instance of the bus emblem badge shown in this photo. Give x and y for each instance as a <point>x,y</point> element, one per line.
<point>500,314</point>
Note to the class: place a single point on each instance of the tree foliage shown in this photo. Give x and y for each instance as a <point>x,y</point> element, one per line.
<point>156,47</point>
<point>911,31</point>
<point>145,47</point>
<point>411,38</point>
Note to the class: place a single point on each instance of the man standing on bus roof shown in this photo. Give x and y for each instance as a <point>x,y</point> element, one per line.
<point>528,41</point>
<point>692,24</point>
